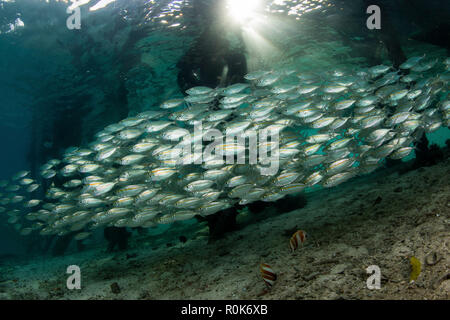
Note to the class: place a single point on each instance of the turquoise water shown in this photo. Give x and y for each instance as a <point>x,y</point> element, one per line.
<point>60,86</point>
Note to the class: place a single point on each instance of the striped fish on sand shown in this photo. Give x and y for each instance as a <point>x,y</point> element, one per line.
<point>297,238</point>
<point>268,275</point>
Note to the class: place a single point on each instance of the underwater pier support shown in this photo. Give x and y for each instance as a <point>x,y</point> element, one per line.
<point>116,237</point>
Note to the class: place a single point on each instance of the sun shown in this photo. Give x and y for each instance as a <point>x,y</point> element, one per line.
<point>242,10</point>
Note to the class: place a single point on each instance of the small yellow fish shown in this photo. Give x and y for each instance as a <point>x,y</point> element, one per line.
<point>416,268</point>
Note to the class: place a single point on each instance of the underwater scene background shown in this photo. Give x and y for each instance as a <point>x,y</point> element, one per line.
<point>100,99</point>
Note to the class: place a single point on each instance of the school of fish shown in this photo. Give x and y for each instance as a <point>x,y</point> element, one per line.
<point>331,127</point>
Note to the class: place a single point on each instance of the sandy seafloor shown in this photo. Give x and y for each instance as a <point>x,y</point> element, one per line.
<point>382,219</point>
